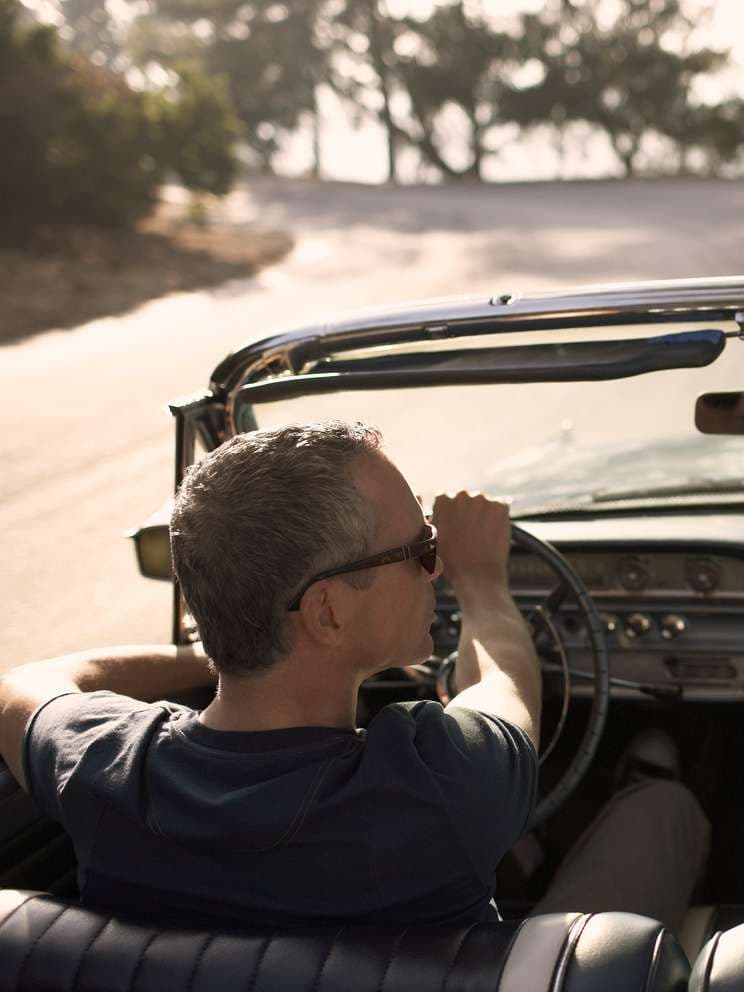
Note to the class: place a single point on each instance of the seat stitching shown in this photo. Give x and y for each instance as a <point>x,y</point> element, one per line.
<point>29,952</point>
<point>197,962</point>
<point>326,957</point>
<point>572,938</point>
<point>709,963</point>
<point>261,956</point>
<point>141,958</point>
<point>653,964</point>
<point>396,946</point>
<point>87,951</point>
<point>457,955</point>
<point>15,909</point>
<point>509,949</point>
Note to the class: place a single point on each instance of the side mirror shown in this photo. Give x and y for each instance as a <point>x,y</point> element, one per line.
<point>152,544</point>
<point>720,413</point>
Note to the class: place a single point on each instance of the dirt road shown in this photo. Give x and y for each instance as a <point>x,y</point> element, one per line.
<point>87,444</point>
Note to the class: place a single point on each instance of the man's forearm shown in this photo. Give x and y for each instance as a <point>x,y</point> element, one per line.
<point>498,626</point>
<point>497,668</point>
<point>146,672</point>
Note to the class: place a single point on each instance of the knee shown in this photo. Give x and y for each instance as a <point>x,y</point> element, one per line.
<point>677,812</point>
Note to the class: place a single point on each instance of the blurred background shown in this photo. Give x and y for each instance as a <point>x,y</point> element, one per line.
<point>179,176</point>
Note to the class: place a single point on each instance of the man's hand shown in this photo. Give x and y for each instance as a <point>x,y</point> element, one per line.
<point>474,537</point>
<point>497,669</point>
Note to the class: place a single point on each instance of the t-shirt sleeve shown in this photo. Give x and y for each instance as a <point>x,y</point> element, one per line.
<point>58,735</point>
<point>482,770</point>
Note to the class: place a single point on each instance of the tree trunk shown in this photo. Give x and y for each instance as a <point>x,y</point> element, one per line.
<point>382,73</point>
<point>560,150</point>
<point>476,145</point>
<point>316,171</point>
<point>624,153</point>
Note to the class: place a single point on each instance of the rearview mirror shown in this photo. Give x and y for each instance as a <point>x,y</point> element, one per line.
<point>720,413</point>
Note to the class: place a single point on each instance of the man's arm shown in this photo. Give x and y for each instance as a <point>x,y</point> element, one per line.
<point>497,668</point>
<point>146,672</point>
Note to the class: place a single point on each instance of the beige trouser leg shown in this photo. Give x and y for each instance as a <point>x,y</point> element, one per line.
<point>642,854</point>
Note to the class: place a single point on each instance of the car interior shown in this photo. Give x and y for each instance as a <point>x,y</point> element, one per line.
<point>634,595</point>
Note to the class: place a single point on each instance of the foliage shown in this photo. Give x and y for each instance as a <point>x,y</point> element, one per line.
<point>265,50</point>
<point>82,146</point>
<point>91,31</point>
<point>456,61</point>
<point>198,132</point>
<point>627,69</point>
<point>360,64</point>
<point>622,77</point>
<point>78,142</point>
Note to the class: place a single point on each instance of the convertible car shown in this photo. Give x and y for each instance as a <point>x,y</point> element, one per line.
<point>612,420</point>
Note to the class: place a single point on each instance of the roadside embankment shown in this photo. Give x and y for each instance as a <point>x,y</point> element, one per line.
<point>72,275</point>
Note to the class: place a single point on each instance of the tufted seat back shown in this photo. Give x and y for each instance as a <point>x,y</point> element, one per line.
<point>720,965</point>
<point>54,945</point>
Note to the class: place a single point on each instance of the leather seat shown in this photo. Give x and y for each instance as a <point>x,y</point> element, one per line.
<point>49,944</point>
<point>702,923</point>
<point>720,965</point>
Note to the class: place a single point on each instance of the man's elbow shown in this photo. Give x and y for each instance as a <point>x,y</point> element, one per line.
<point>498,698</point>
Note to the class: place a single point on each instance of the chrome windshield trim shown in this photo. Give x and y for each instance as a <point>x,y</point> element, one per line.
<point>684,300</point>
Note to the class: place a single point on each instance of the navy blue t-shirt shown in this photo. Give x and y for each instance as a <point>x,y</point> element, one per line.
<point>402,823</point>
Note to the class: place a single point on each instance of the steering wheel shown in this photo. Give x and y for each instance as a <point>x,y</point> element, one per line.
<point>541,620</point>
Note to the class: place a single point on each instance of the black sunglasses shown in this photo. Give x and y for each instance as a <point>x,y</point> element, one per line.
<point>425,551</point>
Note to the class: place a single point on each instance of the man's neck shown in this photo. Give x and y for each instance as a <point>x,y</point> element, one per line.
<point>290,695</point>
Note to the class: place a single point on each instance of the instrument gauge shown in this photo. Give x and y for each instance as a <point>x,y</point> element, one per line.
<point>632,573</point>
<point>703,575</point>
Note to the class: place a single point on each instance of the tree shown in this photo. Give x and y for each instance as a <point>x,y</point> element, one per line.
<point>82,146</point>
<point>451,61</point>
<point>78,142</point>
<point>456,61</point>
<point>90,30</point>
<point>621,77</point>
<point>198,131</point>
<point>265,50</point>
<point>362,36</point>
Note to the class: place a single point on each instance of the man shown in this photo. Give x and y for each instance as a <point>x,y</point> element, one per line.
<point>308,565</point>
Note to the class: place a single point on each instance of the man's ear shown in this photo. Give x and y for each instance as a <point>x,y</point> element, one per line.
<point>324,613</point>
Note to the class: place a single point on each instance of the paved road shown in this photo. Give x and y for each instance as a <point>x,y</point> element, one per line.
<point>86,449</point>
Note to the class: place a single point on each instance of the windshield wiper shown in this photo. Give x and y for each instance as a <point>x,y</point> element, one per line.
<point>693,492</point>
<point>582,361</point>
<point>687,487</point>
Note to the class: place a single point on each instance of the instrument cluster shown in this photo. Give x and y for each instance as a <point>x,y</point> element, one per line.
<point>671,618</point>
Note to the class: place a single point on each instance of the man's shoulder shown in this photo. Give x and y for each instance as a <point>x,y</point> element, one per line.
<point>453,735</point>
<point>81,711</point>
<point>76,737</point>
<point>66,727</point>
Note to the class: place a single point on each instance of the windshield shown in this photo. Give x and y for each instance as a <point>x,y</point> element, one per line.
<point>548,443</point>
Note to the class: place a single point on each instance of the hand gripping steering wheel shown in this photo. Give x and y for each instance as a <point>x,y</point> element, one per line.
<point>540,620</point>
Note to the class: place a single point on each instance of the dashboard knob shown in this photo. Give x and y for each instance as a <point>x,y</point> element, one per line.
<point>672,625</point>
<point>609,622</point>
<point>637,625</point>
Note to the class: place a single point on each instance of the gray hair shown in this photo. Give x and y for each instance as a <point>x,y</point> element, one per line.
<point>256,518</point>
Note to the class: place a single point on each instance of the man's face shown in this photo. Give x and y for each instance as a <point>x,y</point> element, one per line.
<point>397,610</point>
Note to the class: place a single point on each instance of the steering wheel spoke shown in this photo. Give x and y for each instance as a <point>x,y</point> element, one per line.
<point>555,599</point>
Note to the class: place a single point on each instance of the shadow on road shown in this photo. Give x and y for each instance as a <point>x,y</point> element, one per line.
<point>573,231</point>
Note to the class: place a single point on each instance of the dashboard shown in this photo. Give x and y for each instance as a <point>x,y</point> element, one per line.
<point>669,591</point>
